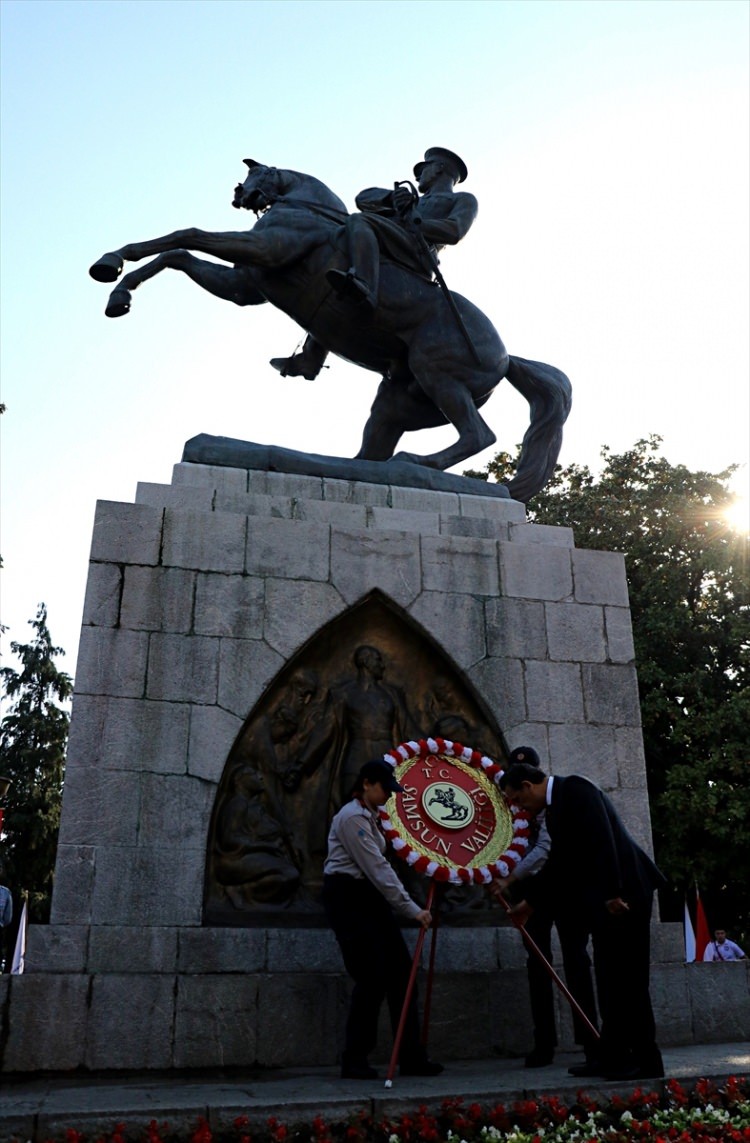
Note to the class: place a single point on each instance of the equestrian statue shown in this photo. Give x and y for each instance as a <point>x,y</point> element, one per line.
<point>367,287</point>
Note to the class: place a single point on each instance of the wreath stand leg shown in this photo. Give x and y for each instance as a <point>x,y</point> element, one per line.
<point>408,994</point>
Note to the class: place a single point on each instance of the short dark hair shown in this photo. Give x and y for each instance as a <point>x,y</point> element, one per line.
<point>521,772</point>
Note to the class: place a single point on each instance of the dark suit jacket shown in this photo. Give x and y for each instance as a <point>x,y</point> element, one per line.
<point>592,858</point>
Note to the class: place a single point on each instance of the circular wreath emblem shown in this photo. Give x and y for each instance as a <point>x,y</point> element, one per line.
<point>451,822</point>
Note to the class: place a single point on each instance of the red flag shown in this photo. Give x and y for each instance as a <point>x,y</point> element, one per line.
<point>702,932</point>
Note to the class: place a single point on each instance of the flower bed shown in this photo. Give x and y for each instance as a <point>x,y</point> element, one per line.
<point>675,1115</point>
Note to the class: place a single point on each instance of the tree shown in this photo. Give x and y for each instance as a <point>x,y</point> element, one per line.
<point>33,737</point>
<point>689,580</point>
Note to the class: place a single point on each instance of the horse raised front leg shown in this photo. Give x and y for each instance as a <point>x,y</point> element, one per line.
<point>456,403</point>
<point>245,247</point>
<point>224,282</point>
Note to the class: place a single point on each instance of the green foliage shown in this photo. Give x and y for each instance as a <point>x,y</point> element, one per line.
<point>689,580</point>
<point>33,737</point>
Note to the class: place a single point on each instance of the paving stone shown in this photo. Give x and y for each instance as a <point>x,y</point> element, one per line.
<point>183,668</point>
<point>148,886</point>
<point>611,694</point>
<point>553,692</point>
<point>175,810</point>
<point>492,508</point>
<point>500,683</point>
<point>157,599</point>
<point>101,806</point>
<point>356,492</point>
<point>213,732</point>
<point>56,948</point>
<point>131,1022</point>
<point>729,1020</point>
<point>455,621</point>
<point>145,949</point>
<point>101,607</point>
<point>229,605</point>
<point>74,883</point>
<point>126,533</point>
<point>550,534</point>
<point>128,734</point>
<point>600,577</point>
<point>534,572</point>
<point>459,564</point>
<point>581,749</point>
<point>111,662</point>
<point>295,610</point>
<point>575,633</point>
<point>223,950</point>
<point>361,561</point>
<point>619,629</point>
<point>291,549</point>
<point>205,541</point>
<point>246,667</point>
<point>303,950</point>
<point>300,1016</point>
<point>175,496</point>
<point>36,1042</point>
<point>516,629</point>
<point>216,1021</point>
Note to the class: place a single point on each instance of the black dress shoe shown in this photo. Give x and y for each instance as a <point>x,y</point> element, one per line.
<point>358,1071</point>
<point>539,1058</point>
<point>590,1068</point>
<point>421,1068</point>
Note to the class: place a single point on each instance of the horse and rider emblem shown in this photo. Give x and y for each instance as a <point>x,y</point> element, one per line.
<point>455,809</point>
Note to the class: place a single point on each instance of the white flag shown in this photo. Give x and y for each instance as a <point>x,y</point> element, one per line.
<point>19,955</point>
<point>689,937</point>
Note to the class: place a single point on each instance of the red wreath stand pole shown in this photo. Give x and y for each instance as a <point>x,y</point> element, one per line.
<point>534,947</point>
<point>410,990</point>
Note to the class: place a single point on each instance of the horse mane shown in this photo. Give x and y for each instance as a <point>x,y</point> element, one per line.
<point>312,189</point>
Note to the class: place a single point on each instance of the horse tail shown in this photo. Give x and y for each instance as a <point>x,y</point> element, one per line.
<point>549,394</point>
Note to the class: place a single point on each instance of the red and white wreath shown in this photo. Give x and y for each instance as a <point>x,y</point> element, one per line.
<point>479,874</point>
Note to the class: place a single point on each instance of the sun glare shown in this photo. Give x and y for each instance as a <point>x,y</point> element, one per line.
<point>737,515</point>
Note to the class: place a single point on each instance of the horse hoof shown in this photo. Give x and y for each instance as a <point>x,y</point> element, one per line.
<point>107,269</point>
<point>119,303</point>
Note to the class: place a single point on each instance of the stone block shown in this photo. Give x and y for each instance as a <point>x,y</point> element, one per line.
<point>128,734</point>
<point>516,629</point>
<point>459,564</point>
<point>37,1042</point>
<point>291,549</point>
<point>600,577</point>
<point>223,950</point>
<point>719,1001</point>
<point>101,807</point>
<point>529,734</point>
<point>455,621</point>
<point>101,607</point>
<point>361,561</point>
<point>512,1028</point>
<point>474,526</point>
<point>300,1015</point>
<point>295,610</point>
<point>492,508</point>
<point>183,668</point>
<point>246,667</point>
<point>631,759</point>
<point>356,492</point>
<point>213,476</point>
<point>425,500</point>
<point>303,950</point>
<point>466,950</point>
<point>671,1004</point>
<point>148,886</point>
<point>667,943</point>
<point>205,541</point>
<point>633,808</point>
<point>175,811</point>
<point>610,693</point>
<point>500,683</point>
<point>619,630</point>
<point>578,748</point>
<point>145,949</point>
<point>553,692</point>
<point>126,533</point>
<point>276,507</point>
<point>459,1028</point>
<point>403,520</point>
<point>216,1021</point>
<point>575,633</point>
<point>131,1023</point>
<point>56,948</point>
<point>112,662</point>
<point>157,599</point>
<point>535,572</point>
<point>510,949</point>
<point>74,883</point>
<point>334,512</point>
<point>286,484</point>
<point>176,496</point>
<point>213,732</point>
<point>548,534</point>
<point>229,605</point>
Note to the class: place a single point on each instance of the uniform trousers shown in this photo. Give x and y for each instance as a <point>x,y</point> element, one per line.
<point>377,960</point>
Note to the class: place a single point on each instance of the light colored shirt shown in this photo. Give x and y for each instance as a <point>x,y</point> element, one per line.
<point>726,951</point>
<point>6,907</point>
<point>356,847</point>
<point>537,855</point>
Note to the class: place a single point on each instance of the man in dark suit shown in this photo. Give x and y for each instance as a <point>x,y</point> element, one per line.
<point>597,876</point>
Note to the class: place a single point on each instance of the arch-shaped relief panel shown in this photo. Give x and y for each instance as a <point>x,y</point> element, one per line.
<point>369,679</point>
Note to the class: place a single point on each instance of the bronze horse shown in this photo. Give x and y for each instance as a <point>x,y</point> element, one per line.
<point>433,372</point>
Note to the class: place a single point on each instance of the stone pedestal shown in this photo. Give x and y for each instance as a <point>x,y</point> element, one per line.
<point>199,593</point>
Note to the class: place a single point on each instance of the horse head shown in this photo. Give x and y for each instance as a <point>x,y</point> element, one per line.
<point>259,190</point>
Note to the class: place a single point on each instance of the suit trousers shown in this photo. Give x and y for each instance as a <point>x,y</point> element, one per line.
<point>574,935</point>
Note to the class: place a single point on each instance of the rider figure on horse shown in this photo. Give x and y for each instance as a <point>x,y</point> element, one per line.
<point>398,225</point>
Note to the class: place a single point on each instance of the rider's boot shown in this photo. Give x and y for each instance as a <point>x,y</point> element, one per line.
<point>308,363</point>
<point>348,285</point>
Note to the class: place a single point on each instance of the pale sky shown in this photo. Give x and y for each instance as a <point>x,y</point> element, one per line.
<point>607,144</point>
